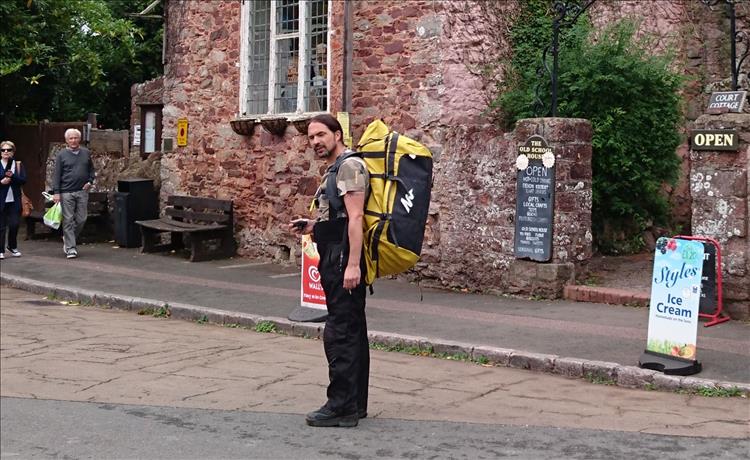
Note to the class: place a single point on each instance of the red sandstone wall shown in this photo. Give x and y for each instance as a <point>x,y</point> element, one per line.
<point>417,64</point>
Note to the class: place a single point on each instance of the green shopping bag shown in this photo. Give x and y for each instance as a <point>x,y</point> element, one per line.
<point>53,216</point>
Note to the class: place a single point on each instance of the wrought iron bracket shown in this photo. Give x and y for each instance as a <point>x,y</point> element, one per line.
<point>566,13</point>
<point>736,37</point>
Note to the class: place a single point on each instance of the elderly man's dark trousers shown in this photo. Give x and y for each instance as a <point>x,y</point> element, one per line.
<point>345,336</point>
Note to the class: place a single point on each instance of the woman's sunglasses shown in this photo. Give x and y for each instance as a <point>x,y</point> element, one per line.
<point>6,150</point>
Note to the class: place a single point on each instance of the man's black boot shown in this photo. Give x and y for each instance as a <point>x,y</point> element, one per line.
<point>326,417</point>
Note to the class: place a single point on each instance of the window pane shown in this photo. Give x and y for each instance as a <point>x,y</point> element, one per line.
<point>150,132</point>
<point>287,16</point>
<point>316,79</point>
<point>260,31</point>
<point>285,92</point>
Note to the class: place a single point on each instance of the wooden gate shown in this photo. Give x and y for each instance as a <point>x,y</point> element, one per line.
<point>32,149</point>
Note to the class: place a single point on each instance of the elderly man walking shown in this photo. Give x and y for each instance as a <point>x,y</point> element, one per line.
<point>72,179</point>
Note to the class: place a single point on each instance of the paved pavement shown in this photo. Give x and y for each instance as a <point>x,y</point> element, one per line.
<point>54,352</point>
<point>569,338</point>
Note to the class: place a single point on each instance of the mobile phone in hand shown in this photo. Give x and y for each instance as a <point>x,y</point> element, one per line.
<point>300,224</point>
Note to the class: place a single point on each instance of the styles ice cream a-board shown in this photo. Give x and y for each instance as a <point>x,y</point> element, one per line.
<point>673,311</point>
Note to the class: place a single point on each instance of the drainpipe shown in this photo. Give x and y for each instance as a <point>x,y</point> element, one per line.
<point>346,96</point>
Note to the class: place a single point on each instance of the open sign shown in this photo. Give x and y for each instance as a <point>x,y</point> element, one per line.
<point>722,139</point>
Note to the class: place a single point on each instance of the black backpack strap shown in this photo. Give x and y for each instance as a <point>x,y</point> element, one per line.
<point>335,202</point>
<point>390,166</point>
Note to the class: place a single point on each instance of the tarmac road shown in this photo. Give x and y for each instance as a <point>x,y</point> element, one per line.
<point>86,382</point>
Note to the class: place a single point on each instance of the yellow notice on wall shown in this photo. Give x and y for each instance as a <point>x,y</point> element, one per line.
<point>182,132</point>
<point>343,118</point>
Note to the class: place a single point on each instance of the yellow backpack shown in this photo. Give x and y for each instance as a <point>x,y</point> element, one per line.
<point>396,210</point>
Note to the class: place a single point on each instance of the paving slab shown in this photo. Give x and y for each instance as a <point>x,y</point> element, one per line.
<point>244,288</point>
<point>90,354</point>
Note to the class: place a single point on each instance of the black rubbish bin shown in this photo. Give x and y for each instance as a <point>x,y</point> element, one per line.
<point>135,199</point>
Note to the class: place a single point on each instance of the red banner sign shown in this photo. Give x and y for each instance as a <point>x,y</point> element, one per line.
<point>312,291</point>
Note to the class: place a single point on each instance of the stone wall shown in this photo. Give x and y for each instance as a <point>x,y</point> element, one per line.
<point>571,234</point>
<point>112,159</point>
<point>719,185</point>
<point>418,65</point>
<point>422,67</point>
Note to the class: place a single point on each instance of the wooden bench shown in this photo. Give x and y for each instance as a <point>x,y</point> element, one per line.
<point>98,223</point>
<point>208,224</point>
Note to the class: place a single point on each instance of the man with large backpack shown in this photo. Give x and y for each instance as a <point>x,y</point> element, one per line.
<point>338,232</point>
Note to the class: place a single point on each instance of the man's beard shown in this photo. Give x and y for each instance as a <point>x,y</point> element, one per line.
<point>323,153</point>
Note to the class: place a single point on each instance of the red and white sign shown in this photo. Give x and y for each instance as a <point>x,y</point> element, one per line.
<point>312,291</point>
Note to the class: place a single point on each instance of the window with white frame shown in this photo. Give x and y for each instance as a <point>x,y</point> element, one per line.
<point>285,57</point>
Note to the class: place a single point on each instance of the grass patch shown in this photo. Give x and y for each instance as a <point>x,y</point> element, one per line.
<point>265,327</point>
<point>591,281</point>
<point>161,312</point>
<point>429,352</point>
<point>482,360</point>
<point>598,379</point>
<point>202,320</point>
<point>713,392</point>
<point>399,348</point>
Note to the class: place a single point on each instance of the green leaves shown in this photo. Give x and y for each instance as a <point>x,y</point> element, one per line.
<point>632,99</point>
<point>60,59</point>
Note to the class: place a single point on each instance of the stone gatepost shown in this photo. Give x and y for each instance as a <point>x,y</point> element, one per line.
<point>719,188</point>
<point>570,140</point>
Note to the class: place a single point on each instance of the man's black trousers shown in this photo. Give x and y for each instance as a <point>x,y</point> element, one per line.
<point>345,335</point>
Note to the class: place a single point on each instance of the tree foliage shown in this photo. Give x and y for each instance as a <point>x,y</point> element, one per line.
<point>631,96</point>
<point>60,59</point>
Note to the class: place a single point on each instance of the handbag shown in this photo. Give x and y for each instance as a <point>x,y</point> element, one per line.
<point>26,205</point>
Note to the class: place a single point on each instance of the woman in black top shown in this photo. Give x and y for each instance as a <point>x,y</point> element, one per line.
<point>12,178</point>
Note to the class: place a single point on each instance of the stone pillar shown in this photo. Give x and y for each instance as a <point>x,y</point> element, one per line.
<point>719,188</point>
<point>571,239</point>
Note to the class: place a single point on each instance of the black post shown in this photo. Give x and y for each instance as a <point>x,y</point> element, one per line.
<point>566,12</point>
<point>734,37</point>
<point>733,42</point>
<point>555,50</point>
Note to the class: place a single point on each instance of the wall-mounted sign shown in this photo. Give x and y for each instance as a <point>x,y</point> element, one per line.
<point>535,200</point>
<point>714,139</point>
<point>343,118</point>
<point>136,135</point>
<point>182,132</point>
<point>732,101</point>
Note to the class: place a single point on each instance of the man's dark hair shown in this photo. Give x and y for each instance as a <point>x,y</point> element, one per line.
<point>330,122</point>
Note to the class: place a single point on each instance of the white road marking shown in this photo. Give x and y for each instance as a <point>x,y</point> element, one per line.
<point>285,275</point>
<point>252,264</point>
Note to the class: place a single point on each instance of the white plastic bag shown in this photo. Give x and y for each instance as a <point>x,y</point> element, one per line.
<point>53,216</point>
